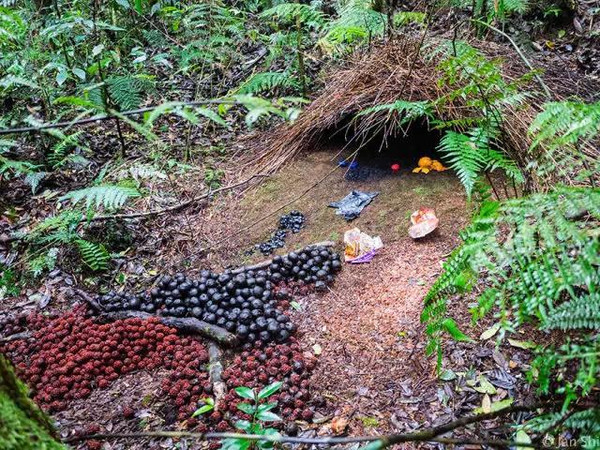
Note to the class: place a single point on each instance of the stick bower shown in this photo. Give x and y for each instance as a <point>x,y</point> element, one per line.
<point>402,70</point>
<point>242,305</point>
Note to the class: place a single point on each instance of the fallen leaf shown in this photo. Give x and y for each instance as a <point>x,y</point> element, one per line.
<point>447,375</point>
<point>486,404</point>
<point>522,438</point>
<point>339,424</point>
<point>525,345</point>
<point>490,332</point>
<point>485,387</point>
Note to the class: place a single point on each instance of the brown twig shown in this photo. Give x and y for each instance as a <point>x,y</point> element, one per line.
<point>14,337</point>
<point>187,324</point>
<point>100,117</point>
<point>178,206</point>
<point>428,435</point>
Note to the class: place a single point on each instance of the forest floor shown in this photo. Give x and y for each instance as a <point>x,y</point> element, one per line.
<point>372,375</point>
<point>367,325</point>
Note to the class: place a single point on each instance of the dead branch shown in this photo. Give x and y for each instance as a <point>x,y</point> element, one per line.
<point>179,205</point>
<point>14,337</point>
<point>186,324</point>
<point>215,373</point>
<point>428,435</point>
<point>101,117</point>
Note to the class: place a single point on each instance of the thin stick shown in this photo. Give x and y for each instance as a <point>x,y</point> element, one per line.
<point>428,435</point>
<point>100,117</point>
<point>178,206</point>
<point>521,55</point>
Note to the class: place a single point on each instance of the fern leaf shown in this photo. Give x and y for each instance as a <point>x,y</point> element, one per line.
<point>94,255</point>
<point>291,12</point>
<point>580,312</point>
<point>108,196</point>
<point>464,157</point>
<point>267,81</point>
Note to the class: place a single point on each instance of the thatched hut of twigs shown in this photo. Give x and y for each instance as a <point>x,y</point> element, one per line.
<point>405,70</point>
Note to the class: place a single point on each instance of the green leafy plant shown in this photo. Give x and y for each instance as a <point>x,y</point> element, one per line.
<point>358,22</point>
<point>95,256</point>
<point>267,82</point>
<point>209,405</point>
<point>536,259</point>
<point>107,196</point>
<point>472,153</point>
<point>260,410</point>
<point>559,132</point>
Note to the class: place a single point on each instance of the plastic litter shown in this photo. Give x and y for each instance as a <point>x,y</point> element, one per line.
<point>352,204</point>
<point>360,247</point>
<point>395,167</point>
<point>424,221</point>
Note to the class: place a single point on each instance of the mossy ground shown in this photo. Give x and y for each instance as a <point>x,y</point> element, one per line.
<point>388,214</point>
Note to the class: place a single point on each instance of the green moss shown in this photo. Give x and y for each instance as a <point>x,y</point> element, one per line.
<point>23,426</point>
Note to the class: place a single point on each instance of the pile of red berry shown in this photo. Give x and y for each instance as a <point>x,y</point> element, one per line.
<point>70,355</point>
<point>264,364</point>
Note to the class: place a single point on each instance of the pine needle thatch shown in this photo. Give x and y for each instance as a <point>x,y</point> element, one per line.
<point>402,71</point>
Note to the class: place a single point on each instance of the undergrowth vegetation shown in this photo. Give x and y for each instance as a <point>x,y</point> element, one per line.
<point>145,71</point>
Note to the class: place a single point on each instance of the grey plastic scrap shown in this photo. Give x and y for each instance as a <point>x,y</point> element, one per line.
<point>352,204</point>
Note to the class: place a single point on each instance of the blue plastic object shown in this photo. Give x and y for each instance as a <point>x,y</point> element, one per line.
<point>353,165</point>
<point>352,204</point>
<point>343,163</point>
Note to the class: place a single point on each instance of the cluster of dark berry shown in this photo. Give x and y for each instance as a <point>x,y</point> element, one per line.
<point>293,221</point>
<point>243,302</point>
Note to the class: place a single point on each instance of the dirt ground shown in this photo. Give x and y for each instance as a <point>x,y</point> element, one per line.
<point>372,368</point>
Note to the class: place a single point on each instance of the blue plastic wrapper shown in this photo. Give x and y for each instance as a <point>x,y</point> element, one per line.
<point>352,204</point>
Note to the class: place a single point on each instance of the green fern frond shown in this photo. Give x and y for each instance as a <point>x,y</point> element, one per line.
<point>357,22</point>
<point>537,258</point>
<point>292,12</point>
<point>463,155</point>
<point>108,196</point>
<point>558,133</point>
<point>126,91</point>
<point>580,312</point>
<point>94,255</point>
<point>471,154</point>
<point>404,18</point>
<point>267,81</point>
<point>16,168</point>
<point>405,110</point>
<point>62,148</point>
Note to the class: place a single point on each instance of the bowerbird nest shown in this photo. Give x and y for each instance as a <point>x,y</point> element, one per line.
<point>401,70</point>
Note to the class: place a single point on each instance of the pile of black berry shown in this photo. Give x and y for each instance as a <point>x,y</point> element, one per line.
<point>293,221</point>
<point>242,301</point>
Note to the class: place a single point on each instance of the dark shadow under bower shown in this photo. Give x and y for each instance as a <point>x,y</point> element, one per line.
<point>377,153</point>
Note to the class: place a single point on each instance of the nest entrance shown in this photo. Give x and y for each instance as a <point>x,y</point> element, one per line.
<point>377,152</point>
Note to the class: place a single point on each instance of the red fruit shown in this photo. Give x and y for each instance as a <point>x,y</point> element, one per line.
<point>93,444</point>
<point>307,414</point>
<point>128,412</point>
